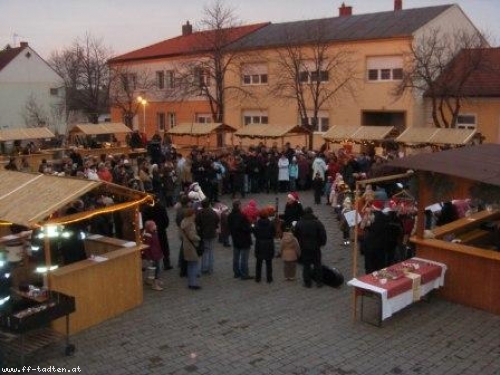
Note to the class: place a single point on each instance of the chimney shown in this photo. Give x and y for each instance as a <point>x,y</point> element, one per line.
<point>345,11</point>
<point>24,44</point>
<point>398,5</point>
<point>187,29</point>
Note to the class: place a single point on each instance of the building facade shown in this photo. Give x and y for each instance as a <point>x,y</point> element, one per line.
<point>32,94</point>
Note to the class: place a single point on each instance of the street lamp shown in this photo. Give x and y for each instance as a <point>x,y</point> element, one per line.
<point>143,101</point>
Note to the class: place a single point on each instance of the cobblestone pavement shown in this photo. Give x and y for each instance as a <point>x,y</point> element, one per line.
<point>237,327</point>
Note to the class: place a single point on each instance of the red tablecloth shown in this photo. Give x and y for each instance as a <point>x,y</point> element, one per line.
<point>401,283</point>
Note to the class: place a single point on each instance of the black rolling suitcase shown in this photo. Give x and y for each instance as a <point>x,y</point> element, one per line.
<point>332,276</point>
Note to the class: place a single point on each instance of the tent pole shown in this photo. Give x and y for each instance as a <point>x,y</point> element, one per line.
<point>48,257</point>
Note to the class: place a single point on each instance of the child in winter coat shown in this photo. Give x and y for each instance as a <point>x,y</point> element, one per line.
<point>344,226</point>
<point>153,253</point>
<point>290,253</point>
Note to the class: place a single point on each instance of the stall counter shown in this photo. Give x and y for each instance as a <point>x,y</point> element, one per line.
<point>104,286</point>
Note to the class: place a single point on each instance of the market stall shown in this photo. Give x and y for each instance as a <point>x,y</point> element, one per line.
<point>264,132</point>
<point>25,145</point>
<point>468,246</point>
<point>435,138</point>
<point>71,259</point>
<point>211,134</point>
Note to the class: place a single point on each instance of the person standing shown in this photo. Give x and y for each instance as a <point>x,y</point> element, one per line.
<point>190,242</point>
<point>293,210</point>
<point>158,213</point>
<point>311,234</point>
<point>264,232</point>
<point>375,239</point>
<point>207,222</point>
<point>153,253</point>
<point>283,173</point>
<point>290,253</point>
<point>241,234</point>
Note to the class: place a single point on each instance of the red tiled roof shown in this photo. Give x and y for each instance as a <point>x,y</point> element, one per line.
<point>7,55</point>
<point>197,42</point>
<point>484,81</point>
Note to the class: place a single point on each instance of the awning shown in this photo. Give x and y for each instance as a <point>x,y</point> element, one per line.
<point>103,128</point>
<point>270,131</point>
<point>28,198</point>
<point>25,133</point>
<point>199,129</point>
<point>416,135</point>
<point>477,163</point>
<point>339,133</point>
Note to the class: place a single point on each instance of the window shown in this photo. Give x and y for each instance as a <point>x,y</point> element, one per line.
<point>129,82</point>
<point>203,118</point>
<point>202,77</point>
<point>314,76</point>
<point>384,68</point>
<point>171,119</point>
<point>255,117</point>
<point>169,79</point>
<point>254,74</point>
<point>160,79</point>
<point>323,123</point>
<point>466,121</point>
<point>54,92</point>
<point>160,121</point>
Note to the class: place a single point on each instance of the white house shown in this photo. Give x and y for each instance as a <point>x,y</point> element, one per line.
<point>31,92</point>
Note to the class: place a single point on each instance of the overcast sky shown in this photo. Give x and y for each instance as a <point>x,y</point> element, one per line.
<point>125,25</point>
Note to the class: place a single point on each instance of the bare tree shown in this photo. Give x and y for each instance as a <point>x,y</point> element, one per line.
<point>313,74</point>
<point>34,114</point>
<point>439,65</point>
<point>126,84</point>
<point>205,75</point>
<point>84,69</point>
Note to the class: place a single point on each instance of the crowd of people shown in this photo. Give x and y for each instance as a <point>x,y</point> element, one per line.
<point>194,183</point>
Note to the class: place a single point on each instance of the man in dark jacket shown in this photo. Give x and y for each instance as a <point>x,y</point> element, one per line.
<point>311,234</point>
<point>375,239</point>
<point>207,222</point>
<point>158,213</point>
<point>241,234</point>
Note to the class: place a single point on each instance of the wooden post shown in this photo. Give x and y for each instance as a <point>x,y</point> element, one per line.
<point>137,226</point>
<point>48,256</point>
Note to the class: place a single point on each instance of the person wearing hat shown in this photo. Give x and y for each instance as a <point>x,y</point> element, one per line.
<point>293,209</point>
<point>375,239</point>
<point>311,234</point>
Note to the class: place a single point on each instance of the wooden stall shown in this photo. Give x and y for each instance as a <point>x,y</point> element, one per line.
<point>108,280</point>
<point>32,156</point>
<point>434,138</point>
<point>211,135</point>
<point>349,135</point>
<point>470,245</point>
<point>264,132</point>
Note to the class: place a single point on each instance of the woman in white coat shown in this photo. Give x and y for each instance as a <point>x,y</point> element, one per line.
<point>283,173</point>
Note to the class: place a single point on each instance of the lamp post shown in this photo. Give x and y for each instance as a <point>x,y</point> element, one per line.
<point>143,101</point>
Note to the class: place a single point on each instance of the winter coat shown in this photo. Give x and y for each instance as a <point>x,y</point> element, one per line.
<point>207,222</point>
<point>190,239</point>
<point>376,233</point>
<point>283,174</point>
<point>264,232</point>
<point>319,166</point>
<point>293,212</point>
<point>240,229</point>
<point>311,234</point>
<point>293,170</point>
<point>153,252</point>
<point>289,248</point>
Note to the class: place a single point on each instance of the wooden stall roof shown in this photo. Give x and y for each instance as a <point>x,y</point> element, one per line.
<point>25,133</point>
<point>415,135</point>
<point>103,128</point>
<point>29,198</point>
<point>339,133</point>
<point>371,133</point>
<point>198,129</point>
<point>270,131</point>
<point>478,163</point>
